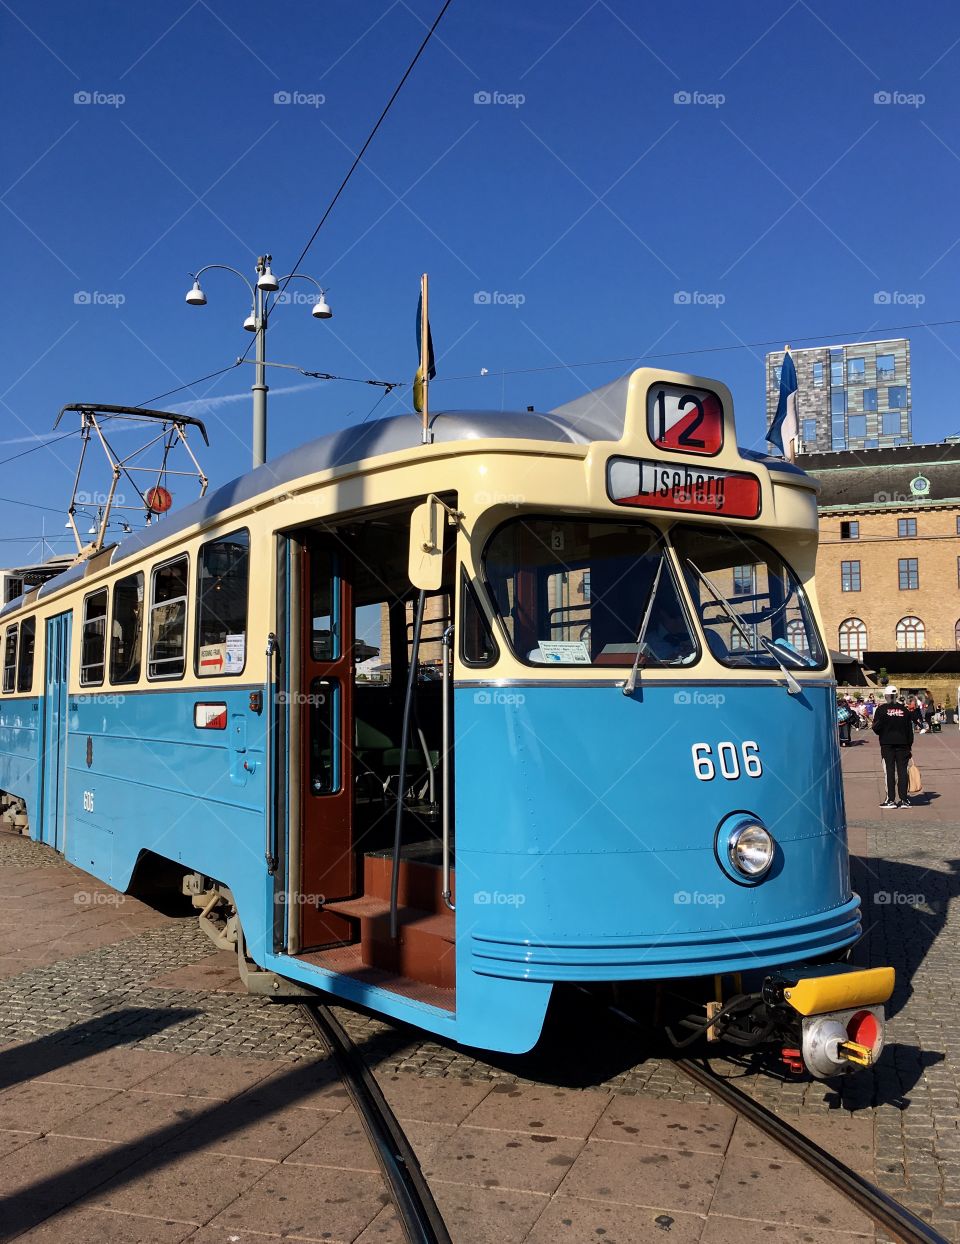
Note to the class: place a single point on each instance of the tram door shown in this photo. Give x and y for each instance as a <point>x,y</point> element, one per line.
<point>328,865</point>
<point>55,716</point>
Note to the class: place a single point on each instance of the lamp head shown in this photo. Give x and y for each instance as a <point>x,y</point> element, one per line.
<point>196,297</point>
<point>321,308</point>
<point>250,323</point>
<point>266,281</point>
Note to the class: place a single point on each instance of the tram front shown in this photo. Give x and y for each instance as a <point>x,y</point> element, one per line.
<point>648,780</point>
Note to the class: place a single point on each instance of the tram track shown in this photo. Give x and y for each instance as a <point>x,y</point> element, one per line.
<point>886,1212</point>
<point>420,1218</point>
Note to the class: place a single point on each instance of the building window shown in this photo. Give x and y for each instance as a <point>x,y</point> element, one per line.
<point>897,396</point>
<point>818,375</point>
<point>909,574</point>
<point>857,426</point>
<point>809,432</point>
<point>869,399</point>
<point>958,524</point>
<point>838,402</point>
<point>836,372</point>
<point>168,620</point>
<point>28,632</point>
<point>911,634</point>
<point>797,636</point>
<point>744,580</point>
<point>10,659</point>
<point>222,578</point>
<point>850,576</point>
<point>853,638</point>
<point>890,424</point>
<point>886,366</point>
<point>855,371</point>
<point>906,527</point>
<point>838,433</point>
<point>850,530</point>
<point>126,630</point>
<point>93,639</point>
<point>776,375</point>
<point>956,633</point>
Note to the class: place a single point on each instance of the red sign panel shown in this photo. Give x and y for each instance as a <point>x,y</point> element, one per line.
<point>688,489</point>
<point>688,421</point>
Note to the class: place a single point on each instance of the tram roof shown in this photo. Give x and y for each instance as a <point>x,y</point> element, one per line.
<point>596,416</point>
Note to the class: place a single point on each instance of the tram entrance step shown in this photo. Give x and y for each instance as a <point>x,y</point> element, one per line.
<point>348,961</point>
<point>420,880</point>
<point>423,950</point>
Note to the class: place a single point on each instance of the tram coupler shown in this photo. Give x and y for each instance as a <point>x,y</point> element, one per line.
<point>826,1019</point>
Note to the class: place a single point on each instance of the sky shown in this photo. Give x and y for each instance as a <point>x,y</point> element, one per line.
<point>585,181</point>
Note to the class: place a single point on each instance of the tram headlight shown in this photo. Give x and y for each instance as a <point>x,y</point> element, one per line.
<point>750,849</point>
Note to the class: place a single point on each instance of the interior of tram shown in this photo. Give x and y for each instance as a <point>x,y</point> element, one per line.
<point>358,624</point>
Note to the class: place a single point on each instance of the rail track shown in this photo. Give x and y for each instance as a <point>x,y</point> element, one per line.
<point>420,1219</point>
<point>895,1218</point>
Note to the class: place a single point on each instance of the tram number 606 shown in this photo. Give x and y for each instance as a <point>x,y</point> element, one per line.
<point>728,760</point>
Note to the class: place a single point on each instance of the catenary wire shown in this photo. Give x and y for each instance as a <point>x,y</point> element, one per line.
<point>33,449</point>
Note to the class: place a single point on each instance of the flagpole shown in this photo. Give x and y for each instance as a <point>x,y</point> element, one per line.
<point>425,357</point>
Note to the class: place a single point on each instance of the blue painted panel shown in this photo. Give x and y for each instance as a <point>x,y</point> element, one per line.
<point>20,751</point>
<point>596,859</point>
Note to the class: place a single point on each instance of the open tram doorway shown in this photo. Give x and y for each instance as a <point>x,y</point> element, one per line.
<point>363,669</point>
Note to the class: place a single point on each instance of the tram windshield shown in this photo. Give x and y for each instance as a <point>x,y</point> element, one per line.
<point>750,603</point>
<point>570,592</point>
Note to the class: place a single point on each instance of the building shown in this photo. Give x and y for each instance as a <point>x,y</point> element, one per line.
<point>888,569</point>
<point>854,396</point>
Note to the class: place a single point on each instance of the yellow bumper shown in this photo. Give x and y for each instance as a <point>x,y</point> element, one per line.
<point>840,991</point>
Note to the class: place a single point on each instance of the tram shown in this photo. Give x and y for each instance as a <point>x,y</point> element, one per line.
<point>440,728</point>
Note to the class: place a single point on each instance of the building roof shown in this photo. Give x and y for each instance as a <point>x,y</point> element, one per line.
<point>881,478</point>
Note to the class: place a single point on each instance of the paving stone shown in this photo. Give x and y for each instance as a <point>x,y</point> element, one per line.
<point>500,1159</point>
<point>667,1179</point>
<point>540,1108</point>
<point>569,1220</point>
<point>309,1202</point>
<point>206,1075</point>
<point>33,1106</point>
<point>667,1125</point>
<point>94,1226</point>
<point>184,1187</point>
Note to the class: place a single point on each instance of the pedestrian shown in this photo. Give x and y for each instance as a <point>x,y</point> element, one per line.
<point>893,726</point>
<point>845,716</point>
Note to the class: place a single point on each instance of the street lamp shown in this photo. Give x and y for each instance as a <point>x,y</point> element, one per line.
<point>256,322</point>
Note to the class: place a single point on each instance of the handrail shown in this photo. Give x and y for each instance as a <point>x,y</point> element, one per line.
<point>270,853</point>
<point>412,674</point>
<point>447,645</point>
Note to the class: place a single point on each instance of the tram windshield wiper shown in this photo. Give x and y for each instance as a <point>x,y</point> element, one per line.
<point>793,687</point>
<point>630,685</point>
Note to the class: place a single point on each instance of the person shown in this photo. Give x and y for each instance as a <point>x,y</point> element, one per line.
<point>845,716</point>
<point>893,726</point>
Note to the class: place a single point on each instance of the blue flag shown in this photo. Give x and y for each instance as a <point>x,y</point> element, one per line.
<point>785,428</point>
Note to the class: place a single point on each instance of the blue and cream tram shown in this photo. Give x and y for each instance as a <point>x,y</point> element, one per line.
<point>439,727</point>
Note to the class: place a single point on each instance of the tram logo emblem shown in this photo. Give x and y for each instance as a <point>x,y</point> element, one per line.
<point>692,489</point>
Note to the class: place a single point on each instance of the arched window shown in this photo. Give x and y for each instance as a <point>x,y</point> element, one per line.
<point>853,638</point>
<point>797,635</point>
<point>911,634</point>
<point>956,632</point>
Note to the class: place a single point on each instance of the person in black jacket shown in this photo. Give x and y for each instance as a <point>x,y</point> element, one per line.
<point>893,726</point>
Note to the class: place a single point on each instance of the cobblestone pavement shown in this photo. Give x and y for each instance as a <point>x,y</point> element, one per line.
<point>85,972</point>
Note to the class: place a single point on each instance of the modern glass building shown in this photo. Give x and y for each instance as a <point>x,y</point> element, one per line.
<point>854,396</point>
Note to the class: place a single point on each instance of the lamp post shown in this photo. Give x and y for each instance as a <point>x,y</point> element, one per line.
<point>256,322</point>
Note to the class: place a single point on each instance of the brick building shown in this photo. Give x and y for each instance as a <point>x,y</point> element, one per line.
<point>888,570</point>
<point>854,396</point>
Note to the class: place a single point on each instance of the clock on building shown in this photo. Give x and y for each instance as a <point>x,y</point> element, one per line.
<point>920,486</point>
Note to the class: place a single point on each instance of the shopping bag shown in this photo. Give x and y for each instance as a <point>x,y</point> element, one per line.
<point>914,780</point>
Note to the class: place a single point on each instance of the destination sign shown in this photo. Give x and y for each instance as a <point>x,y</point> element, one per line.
<point>690,489</point>
<point>688,421</point>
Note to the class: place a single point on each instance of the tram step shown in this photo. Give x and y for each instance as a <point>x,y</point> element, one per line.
<point>420,884</point>
<point>424,949</point>
<point>348,961</point>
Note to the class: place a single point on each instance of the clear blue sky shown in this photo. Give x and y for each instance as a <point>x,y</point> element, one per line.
<point>594,198</point>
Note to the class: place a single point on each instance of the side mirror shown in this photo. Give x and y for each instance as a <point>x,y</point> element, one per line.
<point>426,545</point>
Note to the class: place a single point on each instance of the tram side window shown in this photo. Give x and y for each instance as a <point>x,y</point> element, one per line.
<point>126,629</point>
<point>28,631</point>
<point>223,572</point>
<point>93,643</point>
<point>168,620</point>
<point>10,659</point>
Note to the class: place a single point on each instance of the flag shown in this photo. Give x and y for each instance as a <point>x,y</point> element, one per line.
<point>431,366</point>
<point>785,428</point>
